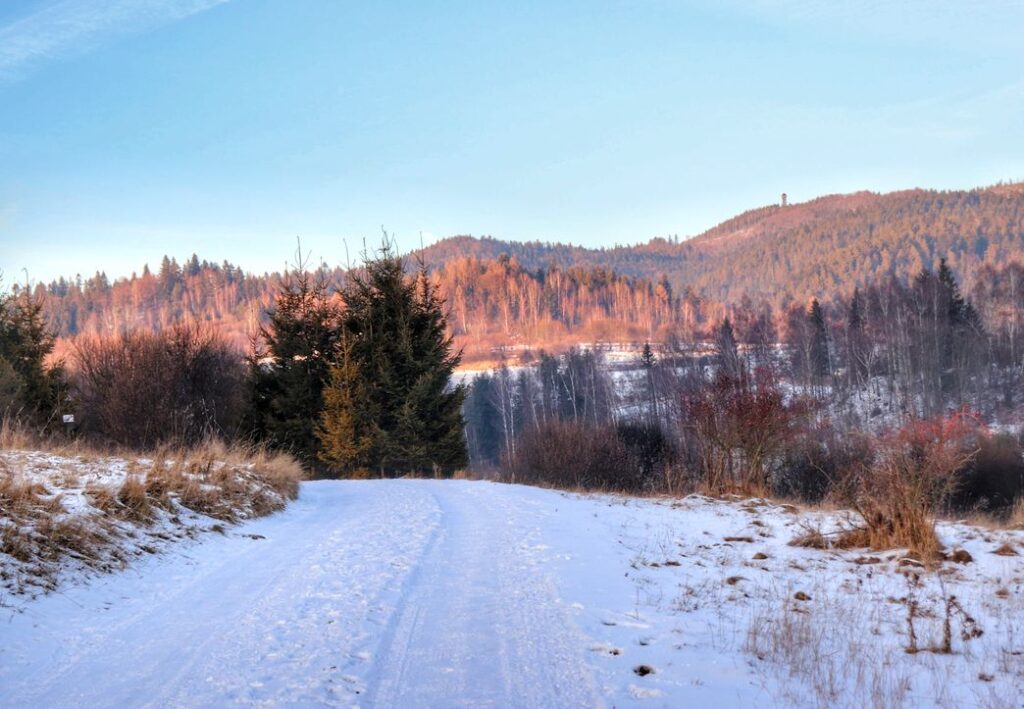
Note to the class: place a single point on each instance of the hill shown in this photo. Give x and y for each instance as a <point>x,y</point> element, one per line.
<point>832,243</point>
<point>550,294</point>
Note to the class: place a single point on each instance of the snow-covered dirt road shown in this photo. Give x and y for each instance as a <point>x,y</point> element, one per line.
<point>415,593</point>
<point>400,593</point>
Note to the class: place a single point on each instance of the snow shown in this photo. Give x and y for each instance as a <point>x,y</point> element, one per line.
<point>422,593</point>
<point>68,486</point>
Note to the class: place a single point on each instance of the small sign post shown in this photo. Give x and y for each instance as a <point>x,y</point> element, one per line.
<point>69,424</point>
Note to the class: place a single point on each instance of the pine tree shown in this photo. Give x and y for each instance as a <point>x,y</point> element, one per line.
<point>390,407</point>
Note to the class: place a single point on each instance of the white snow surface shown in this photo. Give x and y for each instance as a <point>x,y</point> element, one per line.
<point>68,481</point>
<point>419,593</point>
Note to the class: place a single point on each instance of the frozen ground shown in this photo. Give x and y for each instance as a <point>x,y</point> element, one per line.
<point>64,518</point>
<point>414,593</point>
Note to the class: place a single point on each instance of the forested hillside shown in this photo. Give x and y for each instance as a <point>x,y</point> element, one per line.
<point>813,249</point>
<point>539,294</point>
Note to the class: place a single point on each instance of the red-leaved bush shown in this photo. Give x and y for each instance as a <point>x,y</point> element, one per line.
<point>912,477</point>
<point>738,427</point>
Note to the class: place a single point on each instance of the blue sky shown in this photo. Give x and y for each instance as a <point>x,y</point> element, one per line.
<point>134,128</point>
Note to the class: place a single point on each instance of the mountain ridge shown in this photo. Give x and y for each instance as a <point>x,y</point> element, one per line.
<point>897,232</point>
<point>525,293</point>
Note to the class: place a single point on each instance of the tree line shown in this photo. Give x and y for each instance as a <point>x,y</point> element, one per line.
<point>758,409</point>
<point>353,380</point>
<point>503,294</point>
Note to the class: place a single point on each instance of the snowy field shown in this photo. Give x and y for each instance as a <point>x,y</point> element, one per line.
<point>416,593</point>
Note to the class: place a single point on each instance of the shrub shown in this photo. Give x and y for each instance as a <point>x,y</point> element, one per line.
<point>816,459</point>
<point>143,389</point>
<point>566,454</point>
<point>630,457</point>
<point>994,479</point>
<point>650,457</point>
<point>738,427</point>
<point>913,476</point>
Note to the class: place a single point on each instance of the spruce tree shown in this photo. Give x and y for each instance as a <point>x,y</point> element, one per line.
<point>34,389</point>
<point>962,331</point>
<point>647,363</point>
<point>820,359</point>
<point>390,408</point>
<point>856,340</point>
<point>483,421</point>
<point>289,364</point>
<point>647,358</point>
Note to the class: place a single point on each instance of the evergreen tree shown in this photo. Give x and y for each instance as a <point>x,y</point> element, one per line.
<point>289,364</point>
<point>550,387</point>
<point>33,388</point>
<point>647,358</point>
<point>821,362</point>
<point>856,341</point>
<point>963,331</point>
<point>957,308</point>
<point>647,363</point>
<point>390,407</point>
<point>484,435</point>
<point>347,429</point>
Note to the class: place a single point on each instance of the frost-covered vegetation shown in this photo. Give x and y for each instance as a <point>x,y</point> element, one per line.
<point>787,421</point>
<point>72,511</point>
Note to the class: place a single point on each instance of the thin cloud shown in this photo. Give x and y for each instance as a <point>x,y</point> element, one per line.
<point>946,22</point>
<point>70,27</point>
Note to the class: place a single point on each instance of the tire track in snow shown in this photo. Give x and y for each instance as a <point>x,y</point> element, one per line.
<point>481,625</point>
<point>268,622</point>
<point>399,593</point>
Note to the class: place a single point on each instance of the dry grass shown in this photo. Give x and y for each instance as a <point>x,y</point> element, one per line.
<point>15,435</point>
<point>1016,518</point>
<point>853,652</point>
<point>48,515</point>
<point>226,483</point>
<point>817,655</point>
<point>913,477</point>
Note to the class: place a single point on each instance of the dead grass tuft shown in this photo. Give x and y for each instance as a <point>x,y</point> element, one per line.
<point>913,477</point>
<point>1016,518</point>
<point>1005,549</point>
<point>36,531</point>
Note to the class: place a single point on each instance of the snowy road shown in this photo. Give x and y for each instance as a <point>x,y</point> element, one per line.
<point>397,593</point>
<point>420,593</point>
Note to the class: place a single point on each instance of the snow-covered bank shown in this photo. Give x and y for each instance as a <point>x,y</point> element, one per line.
<point>64,515</point>
<point>452,593</point>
